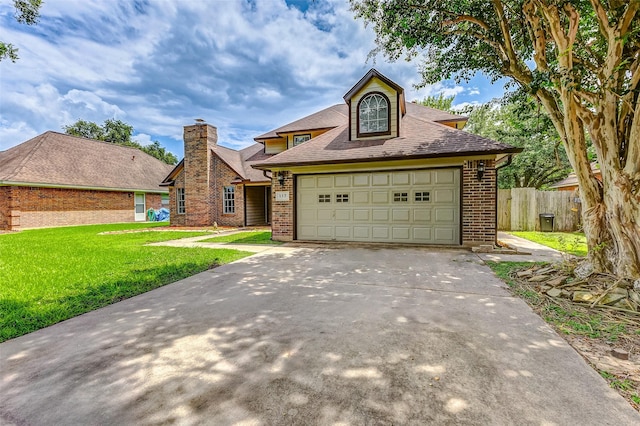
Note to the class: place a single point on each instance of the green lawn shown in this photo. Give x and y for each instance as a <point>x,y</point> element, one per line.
<point>569,242</point>
<point>49,275</point>
<point>249,237</point>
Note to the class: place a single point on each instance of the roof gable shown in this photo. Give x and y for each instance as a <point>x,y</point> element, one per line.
<point>57,159</point>
<point>373,73</point>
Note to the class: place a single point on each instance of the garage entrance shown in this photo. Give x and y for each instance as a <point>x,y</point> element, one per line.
<point>414,206</point>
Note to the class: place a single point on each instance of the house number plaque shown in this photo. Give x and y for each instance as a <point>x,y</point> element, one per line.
<point>282,195</point>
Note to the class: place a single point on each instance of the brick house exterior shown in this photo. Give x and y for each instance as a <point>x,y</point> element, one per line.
<point>374,169</point>
<point>57,180</point>
<point>204,173</point>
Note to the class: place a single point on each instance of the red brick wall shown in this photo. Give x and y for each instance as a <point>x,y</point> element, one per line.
<point>5,207</point>
<point>222,175</point>
<point>478,204</point>
<point>175,218</point>
<point>198,141</point>
<point>282,212</point>
<point>34,207</point>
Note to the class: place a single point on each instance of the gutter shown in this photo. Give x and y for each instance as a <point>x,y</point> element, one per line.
<point>92,188</point>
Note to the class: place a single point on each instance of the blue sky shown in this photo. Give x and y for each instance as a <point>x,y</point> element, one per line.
<point>245,66</point>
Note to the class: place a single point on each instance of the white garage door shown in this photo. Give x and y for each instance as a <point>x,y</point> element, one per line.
<point>418,206</point>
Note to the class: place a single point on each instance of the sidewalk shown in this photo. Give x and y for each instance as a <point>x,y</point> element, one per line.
<point>526,251</point>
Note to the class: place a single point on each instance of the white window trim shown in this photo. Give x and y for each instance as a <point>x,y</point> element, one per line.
<point>229,200</point>
<point>181,207</point>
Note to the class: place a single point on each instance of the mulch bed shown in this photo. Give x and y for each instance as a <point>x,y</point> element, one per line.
<point>598,315</point>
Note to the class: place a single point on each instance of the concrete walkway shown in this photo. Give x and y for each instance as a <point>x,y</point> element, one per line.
<point>308,336</point>
<point>526,251</point>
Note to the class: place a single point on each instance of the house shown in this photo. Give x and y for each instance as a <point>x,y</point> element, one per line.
<point>570,183</point>
<point>56,179</point>
<point>373,169</point>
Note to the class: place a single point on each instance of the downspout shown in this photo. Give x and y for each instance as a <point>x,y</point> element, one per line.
<point>509,159</point>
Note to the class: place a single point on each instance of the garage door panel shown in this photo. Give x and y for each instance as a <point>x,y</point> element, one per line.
<point>361,215</point>
<point>422,234</point>
<point>444,235</point>
<point>380,179</point>
<point>400,215</point>
<point>362,232</point>
<point>400,233</point>
<point>421,215</point>
<point>343,215</point>
<point>361,197</point>
<point>445,196</point>
<point>307,182</point>
<point>324,215</point>
<point>380,232</point>
<point>325,231</point>
<point>380,214</point>
<point>343,181</point>
<point>444,176</point>
<point>401,178</point>
<point>361,180</point>
<point>379,197</point>
<point>324,182</point>
<point>418,206</point>
<point>445,215</point>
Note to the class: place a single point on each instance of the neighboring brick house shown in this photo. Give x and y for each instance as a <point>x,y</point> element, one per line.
<point>570,183</point>
<point>374,169</point>
<point>56,179</point>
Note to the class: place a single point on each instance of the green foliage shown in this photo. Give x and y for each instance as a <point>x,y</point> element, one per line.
<point>440,102</point>
<point>49,275</point>
<point>569,242</point>
<point>518,120</point>
<point>119,133</point>
<point>27,12</point>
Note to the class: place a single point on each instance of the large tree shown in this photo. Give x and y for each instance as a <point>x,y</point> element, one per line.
<point>120,133</point>
<point>579,58</point>
<point>27,12</point>
<point>519,121</point>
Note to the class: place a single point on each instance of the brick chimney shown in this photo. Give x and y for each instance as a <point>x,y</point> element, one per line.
<point>198,141</point>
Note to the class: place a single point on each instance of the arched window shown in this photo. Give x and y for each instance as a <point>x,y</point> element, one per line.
<point>373,114</point>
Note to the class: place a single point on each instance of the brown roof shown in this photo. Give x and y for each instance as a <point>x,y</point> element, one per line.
<point>432,114</point>
<point>572,179</point>
<point>327,118</point>
<point>421,138</point>
<point>239,161</point>
<point>58,159</point>
<point>364,80</point>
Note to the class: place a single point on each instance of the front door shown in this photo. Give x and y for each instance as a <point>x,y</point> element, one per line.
<point>140,208</point>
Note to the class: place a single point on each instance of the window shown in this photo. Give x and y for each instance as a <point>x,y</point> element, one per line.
<point>298,139</point>
<point>373,114</point>
<point>400,197</point>
<point>180,200</point>
<point>324,198</point>
<point>342,198</point>
<point>165,200</point>
<point>229,200</point>
<point>422,196</point>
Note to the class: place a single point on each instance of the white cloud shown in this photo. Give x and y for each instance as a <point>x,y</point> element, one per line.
<point>245,67</point>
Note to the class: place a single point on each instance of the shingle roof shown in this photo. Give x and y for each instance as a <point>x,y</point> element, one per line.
<point>327,118</point>
<point>419,138</point>
<point>58,159</point>
<point>241,161</point>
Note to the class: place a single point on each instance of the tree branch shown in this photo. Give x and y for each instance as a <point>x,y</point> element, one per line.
<point>603,19</point>
<point>467,18</point>
<point>628,16</point>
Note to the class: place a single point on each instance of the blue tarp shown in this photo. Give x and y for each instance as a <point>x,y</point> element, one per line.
<point>161,215</point>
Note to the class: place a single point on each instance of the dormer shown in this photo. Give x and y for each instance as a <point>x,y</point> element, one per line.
<point>376,105</point>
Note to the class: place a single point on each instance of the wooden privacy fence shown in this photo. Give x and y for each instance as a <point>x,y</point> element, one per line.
<point>519,209</point>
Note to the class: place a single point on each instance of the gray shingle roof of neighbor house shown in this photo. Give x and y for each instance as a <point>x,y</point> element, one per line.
<point>60,160</point>
<point>421,137</point>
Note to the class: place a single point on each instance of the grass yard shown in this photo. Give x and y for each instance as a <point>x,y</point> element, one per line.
<point>49,275</point>
<point>569,242</point>
<point>249,237</point>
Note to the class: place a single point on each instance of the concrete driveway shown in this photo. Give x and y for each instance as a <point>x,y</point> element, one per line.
<point>310,336</point>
